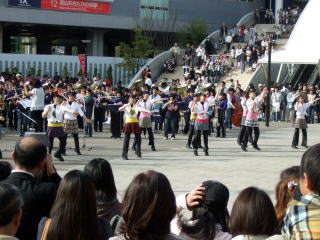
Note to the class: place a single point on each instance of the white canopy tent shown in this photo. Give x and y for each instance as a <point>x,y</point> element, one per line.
<point>303,45</point>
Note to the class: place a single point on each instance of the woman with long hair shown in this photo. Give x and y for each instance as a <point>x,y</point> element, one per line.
<point>210,216</point>
<point>253,216</point>
<point>287,189</point>
<point>74,212</point>
<point>147,208</point>
<point>106,192</point>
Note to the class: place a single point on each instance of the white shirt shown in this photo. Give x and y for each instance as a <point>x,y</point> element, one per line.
<point>146,105</point>
<point>22,171</point>
<point>75,107</point>
<point>59,112</point>
<point>37,99</point>
<point>148,81</point>
<point>302,109</point>
<point>228,39</point>
<point>133,114</point>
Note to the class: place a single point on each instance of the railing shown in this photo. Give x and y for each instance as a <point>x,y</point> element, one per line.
<point>155,65</point>
<point>314,75</point>
<point>50,64</point>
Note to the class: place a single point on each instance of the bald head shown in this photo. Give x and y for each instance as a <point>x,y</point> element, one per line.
<point>29,152</point>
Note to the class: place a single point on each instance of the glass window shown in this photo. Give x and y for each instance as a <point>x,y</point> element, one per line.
<point>158,9</point>
<point>23,45</point>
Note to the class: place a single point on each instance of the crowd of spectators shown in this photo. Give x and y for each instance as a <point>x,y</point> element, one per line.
<point>37,204</point>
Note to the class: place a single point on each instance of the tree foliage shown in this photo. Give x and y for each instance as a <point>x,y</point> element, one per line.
<point>194,32</point>
<point>134,56</point>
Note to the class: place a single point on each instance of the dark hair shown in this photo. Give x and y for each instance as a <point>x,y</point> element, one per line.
<point>5,170</point>
<point>29,152</point>
<point>310,165</point>
<point>10,201</point>
<point>101,173</point>
<point>253,214</point>
<point>148,207</point>
<point>285,192</point>
<point>35,83</point>
<point>74,211</point>
<point>212,210</point>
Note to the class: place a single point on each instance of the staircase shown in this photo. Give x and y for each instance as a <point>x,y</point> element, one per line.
<point>235,74</point>
<point>177,74</point>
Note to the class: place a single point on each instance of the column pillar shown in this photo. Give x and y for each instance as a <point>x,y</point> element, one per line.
<point>1,38</point>
<point>278,6</point>
<point>95,48</point>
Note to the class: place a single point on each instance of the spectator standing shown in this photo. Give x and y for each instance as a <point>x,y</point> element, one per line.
<point>228,41</point>
<point>30,157</point>
<point>74,213</point>
<point>252,216</point>
<point>106,192</point>
<point>11,204</point>
<point>290,108</point>
<point>303,216</point>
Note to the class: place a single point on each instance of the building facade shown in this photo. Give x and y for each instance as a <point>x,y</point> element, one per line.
<point>70,27</point>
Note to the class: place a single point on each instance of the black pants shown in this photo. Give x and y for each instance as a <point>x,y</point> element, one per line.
<point>249,133</point>
<point>13,117</point>
<point>295,140</point>
<point>196,140</point>
<point>190,134</point>
<point>151,137</point>
<point>170,124</point>
<point>98,119</point>
<point>137,140</point>
<point>186,116</point>
<point>62,145</point>
<point>37,116</point>
<point>115,124</point>
<point>220,126</point>
<point>76,142</point>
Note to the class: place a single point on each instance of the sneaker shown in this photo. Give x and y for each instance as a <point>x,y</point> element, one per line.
<point>165,138</point>
<point>256,147</point>
<point>124,157</point>
<point>244,148</point>
<point>173,138</point>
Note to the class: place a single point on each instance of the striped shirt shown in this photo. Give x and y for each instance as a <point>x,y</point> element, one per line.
<point>302,220</point>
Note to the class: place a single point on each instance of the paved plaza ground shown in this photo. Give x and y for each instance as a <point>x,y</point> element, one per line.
<point>226,163</point>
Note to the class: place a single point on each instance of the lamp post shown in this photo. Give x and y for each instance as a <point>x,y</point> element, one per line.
<point>85,43</point>
<point>268,83</point>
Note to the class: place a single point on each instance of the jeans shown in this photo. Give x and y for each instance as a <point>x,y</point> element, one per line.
<point>170,124</point>
<point>88,129</point>
<point>23,121</point>
<point>227,121</point>
<point>242,66</point>
<point>310,112</point>
<point>276,116</point>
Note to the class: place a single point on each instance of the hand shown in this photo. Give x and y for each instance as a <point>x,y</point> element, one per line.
<point>50,168</point>
<point>193,197</point>
<point>88,121</point>
<point>75,113</point>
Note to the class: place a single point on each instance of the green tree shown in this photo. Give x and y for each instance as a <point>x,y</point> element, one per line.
<point>194,32</point>
<point>109,72</point>
<point>134,56</point>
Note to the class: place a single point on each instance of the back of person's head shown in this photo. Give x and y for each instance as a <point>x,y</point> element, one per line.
<point>74,211</point>
<point>10,206</point>
<point>253,214</point>
<point>310,170</point>
<point>285,190</point>
<point>212,210</point>
<point>36,83</point>
<point>5,170</point>
<point>148,206</point>
<point>29,152</point>
<point>101,173</point>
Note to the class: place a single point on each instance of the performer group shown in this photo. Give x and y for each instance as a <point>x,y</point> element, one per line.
<point>62,109</point>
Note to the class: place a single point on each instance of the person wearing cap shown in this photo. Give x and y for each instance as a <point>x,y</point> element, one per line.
<point>54,113</point>
<point>201,124</point>
<point>171,113</point>
<point>208,204</point>
<point>71,121</point>
<point>131,126</point>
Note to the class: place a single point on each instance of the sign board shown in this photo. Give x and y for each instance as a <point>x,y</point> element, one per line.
<point>76,5</point>
<point>97,6</point>
<point>25,3</point>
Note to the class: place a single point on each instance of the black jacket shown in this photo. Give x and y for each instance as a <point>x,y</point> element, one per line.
<point>38,199</point>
